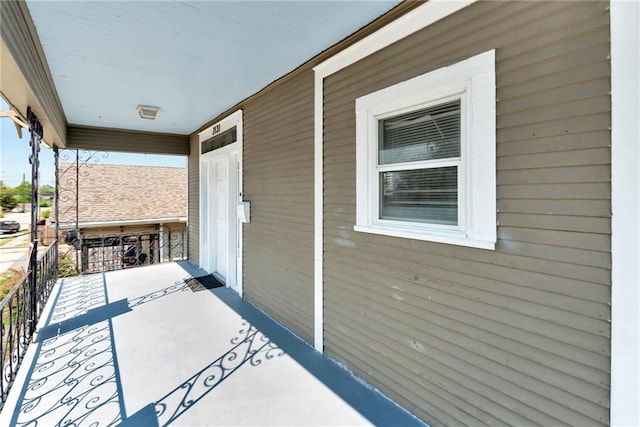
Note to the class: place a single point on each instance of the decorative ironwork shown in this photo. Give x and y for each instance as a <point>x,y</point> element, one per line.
<point>67,179</point>
<point>19,315</point>
<point>56,199</point>
<point>75,165</point>
<point>15,335</point>
<point>114,251</point>
<point>133,249</point>
<point>35,128</point>
<point>46,277</point>
<point>22,307</point>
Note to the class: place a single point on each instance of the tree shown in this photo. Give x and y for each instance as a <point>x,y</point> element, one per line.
<point>23,192</point>
<point>47,189</point>
<point>46,193</point>
<point>7,197</point>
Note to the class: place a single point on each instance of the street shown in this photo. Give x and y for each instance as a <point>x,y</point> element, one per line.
<point>15,250</point>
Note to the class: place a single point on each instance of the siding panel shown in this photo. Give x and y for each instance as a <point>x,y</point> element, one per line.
<point>491,374</point>
<point>548,352</point>
<point>193,210</point>
<point>278,180</point>
<point>558,143</point>
<point>519,335</point>
<point>128,141</point>
<point>578,191</point>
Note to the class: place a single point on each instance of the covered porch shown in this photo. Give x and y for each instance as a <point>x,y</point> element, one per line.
<point>152,346</point>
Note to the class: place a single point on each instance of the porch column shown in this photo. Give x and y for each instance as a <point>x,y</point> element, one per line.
<point>56,207</point>
<point>35,128</point>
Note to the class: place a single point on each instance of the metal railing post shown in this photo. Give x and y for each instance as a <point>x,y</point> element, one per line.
<point>56,207</point>
<point>78,267</point>
<point>35,128</point>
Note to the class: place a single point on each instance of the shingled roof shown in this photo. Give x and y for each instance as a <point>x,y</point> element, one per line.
<point>119,193</point>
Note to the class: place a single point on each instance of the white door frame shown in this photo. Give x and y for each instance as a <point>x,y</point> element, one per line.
<point>227,123</point>
<point>219,257</point>
<point>625,219</point>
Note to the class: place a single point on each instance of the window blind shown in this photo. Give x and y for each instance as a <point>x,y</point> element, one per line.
<point>427,134</point>
<point>421,195</point>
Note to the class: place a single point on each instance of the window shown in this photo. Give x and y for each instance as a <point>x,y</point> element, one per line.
<point>426,156</point>
<point>418,163</point>
<point>221,140</point>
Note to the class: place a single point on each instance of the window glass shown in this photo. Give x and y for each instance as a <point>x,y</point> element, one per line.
<point>422,195</point>
<point>225,138</point>
<point>427,134</point>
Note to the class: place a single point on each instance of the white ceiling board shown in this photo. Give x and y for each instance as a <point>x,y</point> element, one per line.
<point>192,59</point>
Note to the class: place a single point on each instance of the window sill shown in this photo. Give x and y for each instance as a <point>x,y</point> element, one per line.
<point>452,238</point>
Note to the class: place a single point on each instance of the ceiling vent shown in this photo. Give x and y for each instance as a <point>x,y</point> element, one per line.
<point>148,111</point>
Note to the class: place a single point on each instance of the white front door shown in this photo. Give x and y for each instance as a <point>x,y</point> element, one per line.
<point>219,223</point>
<point>220,217</point>
<point>220,193</point>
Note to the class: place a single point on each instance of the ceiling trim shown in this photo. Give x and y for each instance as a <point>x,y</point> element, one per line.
<point>372,27</point>
<point>127,141</point>
<point>20,38</point>
<point>402,27</point>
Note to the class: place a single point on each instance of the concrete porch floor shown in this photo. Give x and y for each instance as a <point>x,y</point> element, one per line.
<point>138,347</point>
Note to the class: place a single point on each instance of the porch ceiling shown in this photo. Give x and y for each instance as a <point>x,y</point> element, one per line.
<point>192,59</point>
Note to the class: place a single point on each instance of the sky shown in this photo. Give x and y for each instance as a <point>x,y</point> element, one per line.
<point>15,152</point>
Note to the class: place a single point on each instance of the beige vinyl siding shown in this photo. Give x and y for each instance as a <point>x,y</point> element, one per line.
<point>457,335</point>
<point>278,180</point>
<point>193,209</point>
<point>128,141</point>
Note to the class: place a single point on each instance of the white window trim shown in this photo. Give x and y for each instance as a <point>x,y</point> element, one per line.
<point>225,124</point>
<point>473,80</point>
<point>372,212</point>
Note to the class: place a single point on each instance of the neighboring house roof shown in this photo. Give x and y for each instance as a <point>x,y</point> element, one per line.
<point>111,194</point>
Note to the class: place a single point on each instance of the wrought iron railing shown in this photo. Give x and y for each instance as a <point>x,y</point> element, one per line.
<point>100,253</point>
<point>20,315</point>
